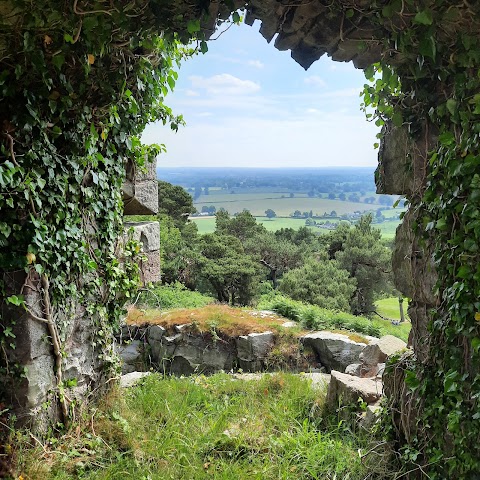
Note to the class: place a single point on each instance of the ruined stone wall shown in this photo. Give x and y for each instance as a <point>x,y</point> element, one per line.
<point>31,389</point>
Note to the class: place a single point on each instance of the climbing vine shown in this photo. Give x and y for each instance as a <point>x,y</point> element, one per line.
<point>78,84</point>
<point>432,88</point>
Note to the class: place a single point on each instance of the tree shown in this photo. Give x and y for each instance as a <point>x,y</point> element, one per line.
<point>323,283</point>
<point>292,194</point>
<point>367,260</point>
<point>270,213</point>
<point>230,273</point>
<point>332,196</point>
<point>275,253</point>
<point>243,226</point>
<point>198,192</point>
<point>342,196</point>
<point>175,202</point>
<point>297,213</point>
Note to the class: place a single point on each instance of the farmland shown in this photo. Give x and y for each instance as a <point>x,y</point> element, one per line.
<point>257,203</point>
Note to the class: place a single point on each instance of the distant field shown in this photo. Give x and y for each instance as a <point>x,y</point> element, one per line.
<point>257,203</point>
<point>389,308</point>
<point>207,225</point>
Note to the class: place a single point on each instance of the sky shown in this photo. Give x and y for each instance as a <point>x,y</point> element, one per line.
<point>246,104</point>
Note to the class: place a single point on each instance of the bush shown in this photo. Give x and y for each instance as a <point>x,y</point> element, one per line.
<point>316,318</point>
<point>175,295</point>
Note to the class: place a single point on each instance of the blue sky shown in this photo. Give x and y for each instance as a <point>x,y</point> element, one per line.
<point>247,104</point>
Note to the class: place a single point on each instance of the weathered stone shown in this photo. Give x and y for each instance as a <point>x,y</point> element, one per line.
<point>371,416</point>
<point>148,233</point>
<point>353,369</point>
<point>361,370</point>
<point>133,378</point>
<point>140,190</point>
<point>335,350</point>
<point>319,380</point>
<point>378,352</point>
<point>252,349</point>
<point>290,324</point>
<point>155,333</point>
<point>346,389</point>
<point>131,356</point>
<point>403,160</point>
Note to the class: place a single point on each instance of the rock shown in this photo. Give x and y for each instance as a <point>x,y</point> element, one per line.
<point>290,324</point>
<point>131,356</point>
<point>252,350</point>
<point>379,351</point>
<point>371,415</point>
<point>361,370</point>
<point>353,369</point>
<point>346,389</point>
<point>335,350</point>
<point>319,380</point>
<point>132,378</point>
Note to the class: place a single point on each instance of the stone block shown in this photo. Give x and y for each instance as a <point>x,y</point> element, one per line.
<point>140,190</point>
<point>335,351</point>
<point>347,389</point>
<point>148,233</point>
<point>378,352</point>
<point>252,349</point>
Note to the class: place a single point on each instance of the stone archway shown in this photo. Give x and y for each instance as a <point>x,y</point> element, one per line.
<point>56,40</point>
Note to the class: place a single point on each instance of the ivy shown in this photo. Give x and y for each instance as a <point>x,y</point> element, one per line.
<point>78,84</point>
<point>437,81</point>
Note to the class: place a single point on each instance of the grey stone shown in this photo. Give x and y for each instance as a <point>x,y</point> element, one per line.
<point>131,356</point>
<point>335,350</point>
<point>371,416</point>
<point>378,352</point>
<point>133,378</point>
<point>146,232</point>
<point>290,324</point>
<point>347,389</point>
<point>353,369</point>
<point>319,380</point>
<point>155,333</point>
<point>252,350</point>
<point>40,379</point>
<point>140,190</point>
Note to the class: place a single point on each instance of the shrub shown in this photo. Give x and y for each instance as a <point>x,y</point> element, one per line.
<point>174,295</point>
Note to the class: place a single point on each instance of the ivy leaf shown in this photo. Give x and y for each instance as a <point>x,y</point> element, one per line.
<point>397,119</point>
<point>16,300</point>
<point>451,106</point>
<point>475,344</point>
<point>424,18</point>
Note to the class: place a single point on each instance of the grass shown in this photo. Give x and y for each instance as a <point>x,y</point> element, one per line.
<point>225,319</point>
<point>197,428</point>
<point>389,308</point>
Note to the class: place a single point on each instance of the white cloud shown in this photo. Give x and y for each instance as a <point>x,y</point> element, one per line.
<point>315,81</point>
<point>224,84</point>
<point>255,63</point>
<point>191,93</point>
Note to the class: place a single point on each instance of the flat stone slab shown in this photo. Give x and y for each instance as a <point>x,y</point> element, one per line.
<point>378,351</point>
<point>346,389</point>
<point>131,379</point>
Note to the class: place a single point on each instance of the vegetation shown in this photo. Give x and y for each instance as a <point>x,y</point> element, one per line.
<point>198,427</point>
<point>314,317</point>
<point>175,295</point>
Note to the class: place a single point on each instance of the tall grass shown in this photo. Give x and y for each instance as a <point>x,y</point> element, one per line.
<point>198,427</point>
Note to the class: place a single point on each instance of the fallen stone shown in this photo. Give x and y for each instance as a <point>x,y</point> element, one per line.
<point>346,389</point>
<point>363,371</point>
<point>290,324</point>
<point>378,352</point>
<point>132,378</point>
<point>319,381</point>
<point>335,350</point>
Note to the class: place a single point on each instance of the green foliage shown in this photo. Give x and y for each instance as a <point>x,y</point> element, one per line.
<point>321,282</point>
<point>436,89</point>
<point>175,202</point>
<point>175,295</point>
<point>77,88</point>
<point>269,428</point>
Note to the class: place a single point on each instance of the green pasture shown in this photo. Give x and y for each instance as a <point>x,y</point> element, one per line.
<point>257,203</point>
<point>389,308</point>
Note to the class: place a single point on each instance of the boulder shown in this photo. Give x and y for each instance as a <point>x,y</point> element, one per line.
<point>371,415</point>
<point>131,356</point>
<point>335,350</point>
<point>363,371</point>
<point>252,350</point>
<point>378,352</point>
<point>346,389</point>
<point>132,378</point>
